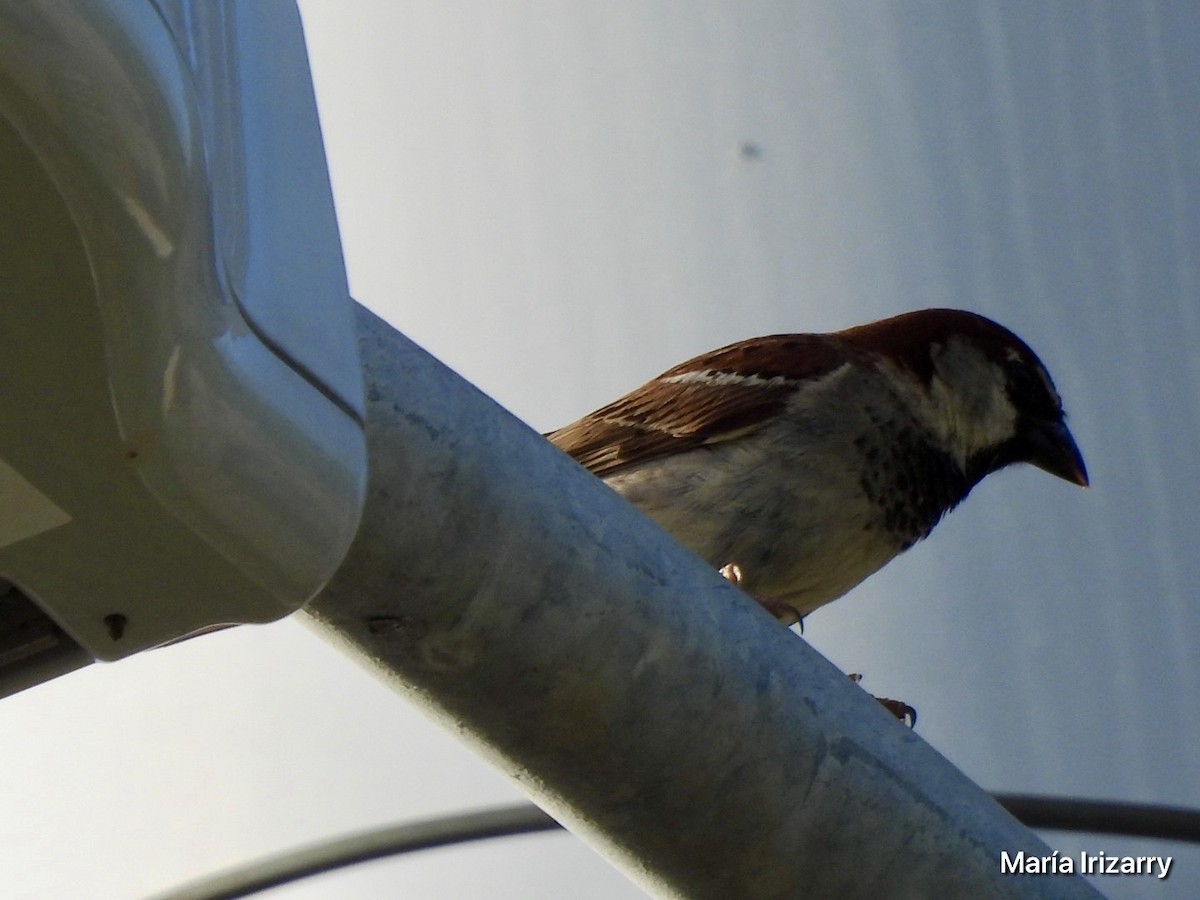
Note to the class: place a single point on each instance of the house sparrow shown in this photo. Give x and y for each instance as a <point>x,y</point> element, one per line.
<point>802,463</point>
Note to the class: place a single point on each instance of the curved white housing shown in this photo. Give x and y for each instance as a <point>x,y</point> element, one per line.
<point>181,397</point>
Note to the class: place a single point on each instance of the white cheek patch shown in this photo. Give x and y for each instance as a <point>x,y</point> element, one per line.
<point>970,399</point>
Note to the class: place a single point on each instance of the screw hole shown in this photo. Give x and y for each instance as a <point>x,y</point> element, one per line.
<point>115,623</point>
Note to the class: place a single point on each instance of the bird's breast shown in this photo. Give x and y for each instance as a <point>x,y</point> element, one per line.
<point>799,525</point>
<point>809,505</point>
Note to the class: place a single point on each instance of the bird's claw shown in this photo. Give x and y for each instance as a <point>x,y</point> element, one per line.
<point>733,573</point>
<point>905,712</point>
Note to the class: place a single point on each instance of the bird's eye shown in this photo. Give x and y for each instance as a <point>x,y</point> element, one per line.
<point>1031,390</point>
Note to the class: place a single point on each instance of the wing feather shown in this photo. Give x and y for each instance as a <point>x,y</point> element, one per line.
<point>717,396</point>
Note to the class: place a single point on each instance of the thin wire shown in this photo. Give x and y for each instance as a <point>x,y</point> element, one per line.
<point>1049,813</point>
<point>364,846</point>
<point>1173,823</point>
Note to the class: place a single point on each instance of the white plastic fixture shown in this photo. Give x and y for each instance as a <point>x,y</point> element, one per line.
<point>181,441</point>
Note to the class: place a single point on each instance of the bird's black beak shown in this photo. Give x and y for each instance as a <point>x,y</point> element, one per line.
<point>1051,448</point>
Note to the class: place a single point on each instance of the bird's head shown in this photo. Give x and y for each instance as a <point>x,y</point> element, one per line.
<point>983,392</point>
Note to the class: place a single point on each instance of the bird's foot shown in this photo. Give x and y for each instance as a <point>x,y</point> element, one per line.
<point>898,708</point>
<point>732,573</point>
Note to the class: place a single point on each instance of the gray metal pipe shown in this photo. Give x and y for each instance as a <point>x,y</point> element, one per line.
<point>633,693</point>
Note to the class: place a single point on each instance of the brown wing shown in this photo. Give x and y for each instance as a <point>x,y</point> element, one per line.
<point>714,397</point>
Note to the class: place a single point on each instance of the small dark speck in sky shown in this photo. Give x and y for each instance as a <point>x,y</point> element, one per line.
<point>750,151</point>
